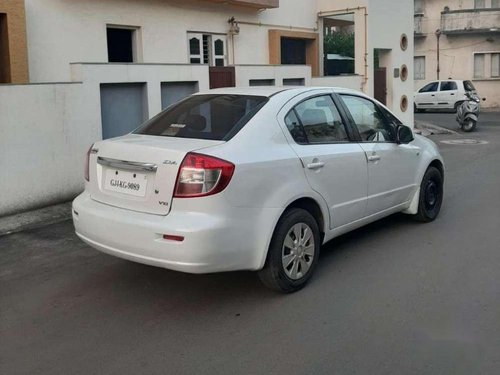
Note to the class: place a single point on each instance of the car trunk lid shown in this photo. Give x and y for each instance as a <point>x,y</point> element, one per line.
<point>139,172</point>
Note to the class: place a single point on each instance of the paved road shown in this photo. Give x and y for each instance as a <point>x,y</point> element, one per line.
<point>488,120</point>
<point>393,298</point>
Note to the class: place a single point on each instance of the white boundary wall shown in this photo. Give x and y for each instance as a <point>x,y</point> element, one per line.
<point>45,131</point>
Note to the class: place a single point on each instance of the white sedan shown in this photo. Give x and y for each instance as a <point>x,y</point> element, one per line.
<point>254,179</point>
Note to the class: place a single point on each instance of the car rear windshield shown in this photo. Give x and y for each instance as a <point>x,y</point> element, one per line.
<point>214,117</point>
<point>469,86</point>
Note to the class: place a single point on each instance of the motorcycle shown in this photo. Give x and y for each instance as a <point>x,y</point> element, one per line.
<point>468,112</point>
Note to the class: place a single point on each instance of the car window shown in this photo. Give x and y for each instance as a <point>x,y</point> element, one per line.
<point>430,87</point>
<point>390,117</point>
<point>368,118</point>
<point>448,86</point>
<point>295,128</point>
<point>215,117</point>
<point>469,86</point>
<point>316,120</point>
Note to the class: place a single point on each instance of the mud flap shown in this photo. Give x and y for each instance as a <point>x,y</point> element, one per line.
<point>413,207</point>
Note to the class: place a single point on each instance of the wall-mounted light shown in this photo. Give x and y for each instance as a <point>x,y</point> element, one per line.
<point>234,28</point>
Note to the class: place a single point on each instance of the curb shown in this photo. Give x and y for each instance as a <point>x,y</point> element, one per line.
<point>35,219</point>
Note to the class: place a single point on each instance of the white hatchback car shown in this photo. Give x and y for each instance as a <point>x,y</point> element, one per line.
<point>254,179</point>
<point>445,94</point>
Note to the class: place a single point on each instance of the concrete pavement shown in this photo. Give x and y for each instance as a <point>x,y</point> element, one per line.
<point>396,297</point>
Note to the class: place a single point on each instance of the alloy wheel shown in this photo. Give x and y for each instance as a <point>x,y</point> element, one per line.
<point>298,251</point>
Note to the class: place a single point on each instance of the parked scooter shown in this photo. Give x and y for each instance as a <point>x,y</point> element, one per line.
<point>468,112</point>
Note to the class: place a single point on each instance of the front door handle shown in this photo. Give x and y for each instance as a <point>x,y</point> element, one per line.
<point>373,158</point>
<point>316,165</point>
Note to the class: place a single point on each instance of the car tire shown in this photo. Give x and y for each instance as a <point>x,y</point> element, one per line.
<point>416,109</point>
<point>431,196</point>
<point>293,252</point>
<point>455,107</point>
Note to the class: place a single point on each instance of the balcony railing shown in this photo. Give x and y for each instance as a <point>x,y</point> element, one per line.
<point>418,24</point>
<point>470,21</point>
<point>259,4</point>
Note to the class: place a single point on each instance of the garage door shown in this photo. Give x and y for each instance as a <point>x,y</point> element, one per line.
<point>123,108</point>
<point>172,92</point>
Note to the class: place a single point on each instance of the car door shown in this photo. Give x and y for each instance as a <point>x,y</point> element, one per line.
<point>426,97</point>
<point>447,95</point>
<point>392,167</point>
<point>334,163</point>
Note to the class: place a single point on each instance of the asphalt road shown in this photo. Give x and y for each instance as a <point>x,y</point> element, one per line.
<point>488,120</point>
<point>395,297</point>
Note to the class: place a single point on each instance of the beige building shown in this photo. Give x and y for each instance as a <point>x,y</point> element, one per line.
<point>468,32</point>
<point>97,69</point>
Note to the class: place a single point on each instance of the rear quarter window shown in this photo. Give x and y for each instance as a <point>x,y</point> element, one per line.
<point>468,86</point>
<point>213,117</point>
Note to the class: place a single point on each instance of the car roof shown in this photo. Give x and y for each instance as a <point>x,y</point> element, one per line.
<point>269,91</point>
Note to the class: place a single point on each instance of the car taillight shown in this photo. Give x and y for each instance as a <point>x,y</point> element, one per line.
<point>87,161</point>
<point>202,175</point>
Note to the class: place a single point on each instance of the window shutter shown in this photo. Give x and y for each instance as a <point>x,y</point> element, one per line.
<point>195,43</point>
<point>479,4</point>
<point>419,67</point>
<point>495,65</point>
<point>479,65</point>
<point>219,50</point>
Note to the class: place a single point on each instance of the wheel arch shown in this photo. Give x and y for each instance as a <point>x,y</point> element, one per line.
<point>438,164</point>
<point>314,206</point>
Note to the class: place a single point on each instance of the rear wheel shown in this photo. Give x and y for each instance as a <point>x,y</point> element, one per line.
<point>469,125</point>
<point>455,107</point>
<point>416,109</point>
<point>293,252</point>
<point>431,196</point>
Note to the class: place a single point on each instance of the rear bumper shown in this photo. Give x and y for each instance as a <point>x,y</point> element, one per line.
<point>235,239</point>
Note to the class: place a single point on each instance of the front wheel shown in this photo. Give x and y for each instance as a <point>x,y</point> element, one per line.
<point>469,125</point>
<point>293,252</point>
<point>431,196</point>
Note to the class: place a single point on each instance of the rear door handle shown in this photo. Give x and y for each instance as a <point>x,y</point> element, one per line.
<point>373,158</point>
<point>316,165</point>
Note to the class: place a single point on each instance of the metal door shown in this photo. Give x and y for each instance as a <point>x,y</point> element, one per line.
<point>380,82</point>
<point>122,108</point>
<point>172,92</point>
<point>222,76</point>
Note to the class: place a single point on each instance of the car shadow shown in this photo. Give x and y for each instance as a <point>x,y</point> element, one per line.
<point>152,283</point>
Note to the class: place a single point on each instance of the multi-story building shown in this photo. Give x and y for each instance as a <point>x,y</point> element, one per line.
<point>96,69</point>
<point>465,35</point>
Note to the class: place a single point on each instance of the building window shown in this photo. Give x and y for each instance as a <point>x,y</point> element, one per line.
<point>419,67</point>
<point>121,44</point>
<point>487,65</point>
<point>495,3</point>
<point>495,65</point>
<point>479,4</point>
<point>293,51</point>
<point>479,65</point>
<point>339,44</point>
<point>207,49</point>
<point>419,6</point>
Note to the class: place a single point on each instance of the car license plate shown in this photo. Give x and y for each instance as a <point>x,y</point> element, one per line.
<point>126,182</point>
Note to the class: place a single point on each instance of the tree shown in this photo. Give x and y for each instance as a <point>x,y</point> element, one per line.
<point>339,42</point>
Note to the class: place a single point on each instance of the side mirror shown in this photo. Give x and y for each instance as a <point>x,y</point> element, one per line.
<point>404,134</point>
